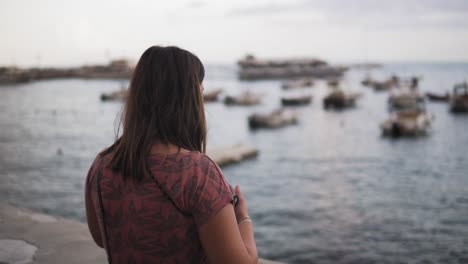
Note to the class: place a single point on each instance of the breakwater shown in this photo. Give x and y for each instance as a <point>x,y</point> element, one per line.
<point>116,69</point>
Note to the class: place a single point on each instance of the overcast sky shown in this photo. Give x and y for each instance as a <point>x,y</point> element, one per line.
<point>62,32</point>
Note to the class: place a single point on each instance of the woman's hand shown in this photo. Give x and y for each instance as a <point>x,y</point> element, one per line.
<point>241,207</point>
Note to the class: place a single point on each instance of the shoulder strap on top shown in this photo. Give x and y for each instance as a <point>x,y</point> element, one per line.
<point>165,193</point>
<point>101,207</point>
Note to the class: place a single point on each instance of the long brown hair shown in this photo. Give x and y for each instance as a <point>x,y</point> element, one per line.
<point>164,104</point>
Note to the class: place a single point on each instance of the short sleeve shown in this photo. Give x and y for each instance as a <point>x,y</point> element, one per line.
<point>90,178</point>
<point>210,192</point>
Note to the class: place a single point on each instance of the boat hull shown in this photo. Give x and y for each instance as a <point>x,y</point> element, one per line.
<point>296,101</point>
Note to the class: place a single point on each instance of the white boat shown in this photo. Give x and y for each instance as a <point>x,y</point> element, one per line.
<point>404,99</point>
<point>211,96</point>
<point>300,83</point>
<point>340,99</point>
<point>459,98</point>
<point>275,119</point>
<point>245,99</point>
<point>120,95</point>
<point>296,100</point>
<point>407,123</point>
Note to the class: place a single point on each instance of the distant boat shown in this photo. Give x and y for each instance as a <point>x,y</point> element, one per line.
<point>244,99</point>
<point>383,86</point>
<point>407,123</point>
<point>251,68</point>
<point>211,96</point>
<point>300,83</point>
<point>386,85</point>
<point>275,119</point>
<point>333,82</point>
<point>120,95</point>
<point>367,81</point>
<point>296,100</point>
<point>438,97</point>
<point>411,121</point>
<point>405,99</point>
<point>340,99</point>
<point>459,99</point>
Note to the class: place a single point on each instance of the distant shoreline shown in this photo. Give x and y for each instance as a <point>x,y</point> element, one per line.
<point>122,70</point>
<point>116,69</point>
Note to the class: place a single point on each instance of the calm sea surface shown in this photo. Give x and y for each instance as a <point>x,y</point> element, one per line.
<point>329,190</point>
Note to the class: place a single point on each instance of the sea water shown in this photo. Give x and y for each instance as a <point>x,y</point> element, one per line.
<point>327,190</point>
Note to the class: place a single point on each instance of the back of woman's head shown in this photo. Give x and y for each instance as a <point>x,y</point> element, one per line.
<point>164,105</point>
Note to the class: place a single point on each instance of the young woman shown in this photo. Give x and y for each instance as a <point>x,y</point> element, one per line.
<point>154,196</point>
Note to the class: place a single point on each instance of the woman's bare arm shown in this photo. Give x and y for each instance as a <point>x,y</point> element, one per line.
<point>224,241</point>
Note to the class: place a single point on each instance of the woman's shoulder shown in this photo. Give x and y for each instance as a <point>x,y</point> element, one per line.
<point>202,157</point>
<point>93,169</point>
<point>182,161</point>
<point>204,161</point>
<point>184,156</point>
<point>102,158</point>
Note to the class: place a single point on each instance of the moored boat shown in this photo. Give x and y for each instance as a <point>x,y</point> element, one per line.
<point>407,123</point>
<point>411,121</point>
<point>340,99</point>
<point>382,86</point>
<point>120,95</point>
<point>367,81</point>
<point>244,99</point>
<point>435,97</point>
<point>275,119</point>
<point>333,82</point>
<point>405,99</point>
<point>211,96</point>
<point>386,85</point>
<point>296,100</point>
<point>299,83</point>
<point>459,98</point>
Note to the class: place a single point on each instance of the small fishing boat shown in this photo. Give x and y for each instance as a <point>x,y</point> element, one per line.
<point>407,123</point>
<point>275,119</point>
<point>340,99</point>
<point>333,82</point>
<point>296,100</point>
<point>120,95</point>
<point>367,81</point>
<point>411,121</point>
<point>459,99</point>
<point>245,99</point>
<point>435,97</point>
<point>211,96</point>
<point>299,83</point>
<point>386,85</point>
<point>410,82</point>
<point>404,99</point>
<point>382,86</point>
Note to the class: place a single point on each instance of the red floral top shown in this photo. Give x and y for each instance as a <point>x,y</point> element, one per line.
<point>142,224</point>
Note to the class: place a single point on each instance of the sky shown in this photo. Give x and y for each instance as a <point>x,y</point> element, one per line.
<point>71,33</point>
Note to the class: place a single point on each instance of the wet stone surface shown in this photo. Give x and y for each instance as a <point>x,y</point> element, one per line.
<point>16,251</point>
